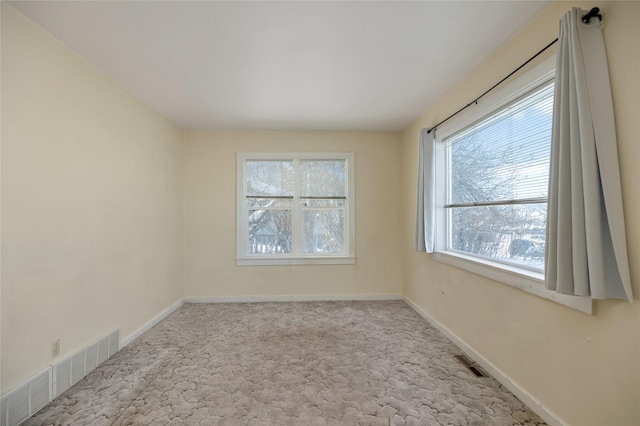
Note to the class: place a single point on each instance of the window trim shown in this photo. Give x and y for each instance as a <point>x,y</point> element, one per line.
<point>242,258</point>
<point>521,278</point>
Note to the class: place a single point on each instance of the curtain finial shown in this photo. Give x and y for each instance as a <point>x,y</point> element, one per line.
<point>593,13</point>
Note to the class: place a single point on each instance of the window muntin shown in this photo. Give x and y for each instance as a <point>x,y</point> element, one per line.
<point>496,178</point>
<point>295,206</point>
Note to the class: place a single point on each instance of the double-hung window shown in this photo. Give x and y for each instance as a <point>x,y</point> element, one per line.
<point>492,169</point>
<point>496,181</point>
<point>492,176</point>
<point>295,208</point>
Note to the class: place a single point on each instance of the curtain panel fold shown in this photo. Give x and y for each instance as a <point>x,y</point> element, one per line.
<point>586,251</point>
<point>425,215</point>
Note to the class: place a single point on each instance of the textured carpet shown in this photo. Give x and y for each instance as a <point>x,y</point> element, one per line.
<point>320,363</point>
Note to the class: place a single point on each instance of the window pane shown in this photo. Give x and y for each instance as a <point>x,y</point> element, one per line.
<point>322,231</point>
<point>269,231</point>
<point>511,234</point>
<point>504,157</point>
<point>322,178</point>
<point>270,178</point>
<point>269,202</point>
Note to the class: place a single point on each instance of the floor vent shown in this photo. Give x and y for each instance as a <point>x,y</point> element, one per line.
<point>74,368</point>
<point>470,366</point>
<point>26,400</point>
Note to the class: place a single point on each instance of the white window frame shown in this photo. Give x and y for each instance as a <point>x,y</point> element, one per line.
<point>244,258</point>
<point>512,275</point>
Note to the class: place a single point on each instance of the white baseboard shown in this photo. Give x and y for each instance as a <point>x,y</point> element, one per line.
<point>551,418</point>
<point>155,320</point>
<point>310,298</point>
<point>7,419</point>
<point>25,399</point>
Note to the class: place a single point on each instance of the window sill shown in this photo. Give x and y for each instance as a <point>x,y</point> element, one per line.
<point>325,260</point>
<point>531,282</point>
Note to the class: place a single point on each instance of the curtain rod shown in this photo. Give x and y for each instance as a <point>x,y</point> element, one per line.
<point>593,13</point>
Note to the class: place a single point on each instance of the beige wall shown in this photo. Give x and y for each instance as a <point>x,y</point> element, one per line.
<point>210,217</point>
<point>92,224</point>
<point>92,195</point>
<point>586,369</point>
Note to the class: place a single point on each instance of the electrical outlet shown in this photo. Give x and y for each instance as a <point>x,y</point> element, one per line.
<point>419,287</point>
<point>55,348</point>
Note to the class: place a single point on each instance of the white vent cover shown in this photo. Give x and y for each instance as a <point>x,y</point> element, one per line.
<point>39,392</point>
<point>114,341</point>
<point>77,367</point>
<point>18,406</point>
<point>103,350</point>
<point>3,411</point>
<point>91,360</point>
<point>71,370</point>
<point>61,377</point>
<point>26,400</point>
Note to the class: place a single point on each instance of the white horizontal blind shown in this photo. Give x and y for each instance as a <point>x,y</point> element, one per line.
<point>505,157</point>
<point>497,173</point>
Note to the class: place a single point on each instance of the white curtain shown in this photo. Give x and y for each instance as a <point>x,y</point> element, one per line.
<point>425,217</point>
<point>586,244</point>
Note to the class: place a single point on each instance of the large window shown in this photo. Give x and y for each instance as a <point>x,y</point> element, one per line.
<point>492,176</point>
<point>295,208</point>
<point>496,179</point>
<point>491,182</point>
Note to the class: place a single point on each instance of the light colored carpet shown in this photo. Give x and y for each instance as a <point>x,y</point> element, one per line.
<point>316,363</point>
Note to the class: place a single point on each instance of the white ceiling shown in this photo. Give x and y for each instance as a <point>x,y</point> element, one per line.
<point>285,65</point>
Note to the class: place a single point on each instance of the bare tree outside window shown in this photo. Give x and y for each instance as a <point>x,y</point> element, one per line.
<point>323,191</point>
<point>270,188</point>
<point>319,189</point>
<point>497,179</point>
